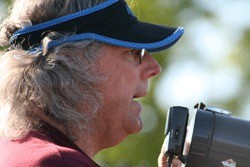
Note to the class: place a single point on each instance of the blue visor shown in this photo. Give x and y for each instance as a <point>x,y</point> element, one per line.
<point>111,22</point>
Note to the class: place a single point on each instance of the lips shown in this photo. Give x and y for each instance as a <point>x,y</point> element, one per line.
<point>137,107</point>
<point>139,95</point>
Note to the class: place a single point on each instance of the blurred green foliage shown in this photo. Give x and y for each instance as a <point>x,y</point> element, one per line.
<point>8,2</point>
<point>141,150</point>
<point>1,48</point>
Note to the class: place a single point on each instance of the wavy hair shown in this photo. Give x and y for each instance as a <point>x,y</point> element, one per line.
<point>47,86</point>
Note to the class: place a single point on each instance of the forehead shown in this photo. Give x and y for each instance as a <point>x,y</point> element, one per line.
<point>113,50</point>
<point>110,56</point>
<point>114,47</point>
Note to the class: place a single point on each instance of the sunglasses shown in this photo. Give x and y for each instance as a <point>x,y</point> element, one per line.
<point>140,53</point>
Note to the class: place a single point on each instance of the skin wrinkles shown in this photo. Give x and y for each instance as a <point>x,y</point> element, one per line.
<point>126,80</point>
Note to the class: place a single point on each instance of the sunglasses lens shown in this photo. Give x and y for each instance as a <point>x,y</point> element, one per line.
<point>142,52</point>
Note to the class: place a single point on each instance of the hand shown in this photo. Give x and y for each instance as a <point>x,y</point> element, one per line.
<point>163,159</point>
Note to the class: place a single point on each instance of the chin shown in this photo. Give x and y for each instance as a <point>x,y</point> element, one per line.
<point>138,127</point>
<point>140,122</point>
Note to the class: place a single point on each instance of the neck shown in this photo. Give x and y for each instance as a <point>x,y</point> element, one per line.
<point>93,141</point>
<point>89,143</point>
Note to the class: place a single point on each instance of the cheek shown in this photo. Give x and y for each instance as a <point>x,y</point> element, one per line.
<point>114,114</point>
<point>116,106</point>
<point>117,86</point>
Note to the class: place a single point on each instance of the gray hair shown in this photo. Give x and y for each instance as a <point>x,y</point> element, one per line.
<point>52,84</point>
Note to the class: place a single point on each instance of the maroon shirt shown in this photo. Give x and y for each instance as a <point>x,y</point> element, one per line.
<point>46,148</point>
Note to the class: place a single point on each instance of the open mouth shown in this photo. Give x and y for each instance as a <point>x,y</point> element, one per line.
<point>140,95</point>
<point>136,101</point>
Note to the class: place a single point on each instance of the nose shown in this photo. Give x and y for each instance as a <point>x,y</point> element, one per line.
<point>152,68</point>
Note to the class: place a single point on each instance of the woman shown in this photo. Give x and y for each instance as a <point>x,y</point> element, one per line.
<point>70,77</point>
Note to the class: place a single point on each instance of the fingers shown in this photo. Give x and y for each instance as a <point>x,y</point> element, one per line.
<point>163,159</point>
<point>176,163</point>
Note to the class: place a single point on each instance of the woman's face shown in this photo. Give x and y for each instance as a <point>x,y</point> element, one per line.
<point>126,80</point>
